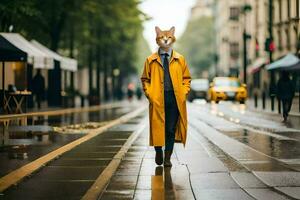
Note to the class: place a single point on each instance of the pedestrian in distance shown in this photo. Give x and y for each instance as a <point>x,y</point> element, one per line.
<point>285,93</point>
<point>166,84</point>
<point>38,88</point>
<point>130,91</point>
<point>138,93</point>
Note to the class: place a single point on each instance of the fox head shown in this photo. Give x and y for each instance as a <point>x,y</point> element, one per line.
<point>165,39</point>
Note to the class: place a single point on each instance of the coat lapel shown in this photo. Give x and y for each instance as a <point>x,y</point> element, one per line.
<point>156,57</point>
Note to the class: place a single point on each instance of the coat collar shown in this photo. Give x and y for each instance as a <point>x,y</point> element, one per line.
<point>155,56</point>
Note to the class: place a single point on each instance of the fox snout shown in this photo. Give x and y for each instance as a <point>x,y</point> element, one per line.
<point>166,40</point>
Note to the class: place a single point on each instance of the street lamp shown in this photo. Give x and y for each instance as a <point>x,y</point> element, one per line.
<point>116,74</point>
<point>246,8</point>
<point>272,88</point>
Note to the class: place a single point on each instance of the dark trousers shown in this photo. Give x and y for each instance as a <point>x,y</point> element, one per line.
<point>286,107</point>
<point>171,118</point>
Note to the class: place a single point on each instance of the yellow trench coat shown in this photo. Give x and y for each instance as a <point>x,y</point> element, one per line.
<point>153,86</point>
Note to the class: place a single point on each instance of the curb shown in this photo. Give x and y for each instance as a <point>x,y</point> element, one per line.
<point>226,152</point>
<point>19,174</point>
<point>103,179</point>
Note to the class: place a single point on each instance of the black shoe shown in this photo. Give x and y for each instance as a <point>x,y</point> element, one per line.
<point>159,157</point>
<point>167,161</point>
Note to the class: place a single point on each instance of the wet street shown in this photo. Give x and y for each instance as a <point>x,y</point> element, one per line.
<point>23,144</point>
<point>232,152</point>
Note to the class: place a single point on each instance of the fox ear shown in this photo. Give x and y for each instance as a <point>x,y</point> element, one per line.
<point>172,30</point>
<point>157,30</point>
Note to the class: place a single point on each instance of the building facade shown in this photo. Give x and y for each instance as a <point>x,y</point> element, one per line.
<point>286,27</point>
<point>202,8</point>
<point>228,29</point>
<point>231,22</point>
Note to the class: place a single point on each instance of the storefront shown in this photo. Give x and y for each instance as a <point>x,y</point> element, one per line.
<point>59,77</point>
<point>19,57</point>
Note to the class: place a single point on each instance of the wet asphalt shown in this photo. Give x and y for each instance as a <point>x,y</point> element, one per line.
<point>22,145</point>
<point>264,133</point>
<point>232,152</point>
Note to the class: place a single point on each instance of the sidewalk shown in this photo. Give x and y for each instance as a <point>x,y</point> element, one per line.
<point>294,109</point>
<point>200,171</point>
<point>69,171</point>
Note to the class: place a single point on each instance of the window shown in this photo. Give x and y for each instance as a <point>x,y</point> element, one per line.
<point>297,8</point>
<point>234,13</point>
<point>279,40</point>
<point>288,39</point>
<point>234,50</point>
<point>256,48</point>
<point>297,39</point>
<point>227,82</point>
<point>280,10</point>
<point>289,9</point>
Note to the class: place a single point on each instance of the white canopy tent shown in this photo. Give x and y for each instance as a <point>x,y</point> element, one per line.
<point>36,57</point>
<point>66,63</point>
<point>69,64</point>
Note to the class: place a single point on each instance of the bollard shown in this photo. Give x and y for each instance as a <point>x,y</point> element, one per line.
<point>279,106</point>
<point>264,100</point>
<point>82,100</point>
<point>272,102</point>
<point>255,100</point>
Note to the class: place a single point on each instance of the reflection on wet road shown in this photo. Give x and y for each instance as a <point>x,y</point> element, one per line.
<point>23,144</point>
<point>272,146</point>
<point>75,118</point>
<point>262,132</point>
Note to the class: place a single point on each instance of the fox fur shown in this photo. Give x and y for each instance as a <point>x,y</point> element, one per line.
<point>165,39</point>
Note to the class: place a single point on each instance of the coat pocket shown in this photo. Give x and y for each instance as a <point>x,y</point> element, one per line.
<point>149,94</point>
<point>183,93</point>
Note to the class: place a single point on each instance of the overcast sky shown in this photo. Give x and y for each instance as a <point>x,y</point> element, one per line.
<point>165,14</point>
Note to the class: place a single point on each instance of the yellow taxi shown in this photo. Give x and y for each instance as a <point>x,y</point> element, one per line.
<point>227,88</point>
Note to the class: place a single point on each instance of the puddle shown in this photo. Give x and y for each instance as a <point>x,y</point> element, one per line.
<point>41,135</point>
<point>281,149</point>
<point>79,118</point>
<point>18,151</point>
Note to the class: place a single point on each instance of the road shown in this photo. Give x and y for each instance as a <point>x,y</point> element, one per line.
<point>232,152</point>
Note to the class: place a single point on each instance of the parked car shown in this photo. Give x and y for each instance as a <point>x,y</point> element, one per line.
<point>199,88</point>
<point>227,88</point>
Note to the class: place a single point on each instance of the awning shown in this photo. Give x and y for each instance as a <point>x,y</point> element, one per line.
<point>66,63</point>
<point>288,62</point>
<point>34,56</point>
<point>257,65</point>
<point>69,64</point>
<point>294,67</point>
<point>10,53</point>
<point>47,51</point>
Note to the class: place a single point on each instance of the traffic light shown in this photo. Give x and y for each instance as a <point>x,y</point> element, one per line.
<point>256,45</point>
<point>269,45</point>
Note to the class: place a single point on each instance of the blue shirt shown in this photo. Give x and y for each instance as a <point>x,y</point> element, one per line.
<point>167,78</point>
<point>161,52</point>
